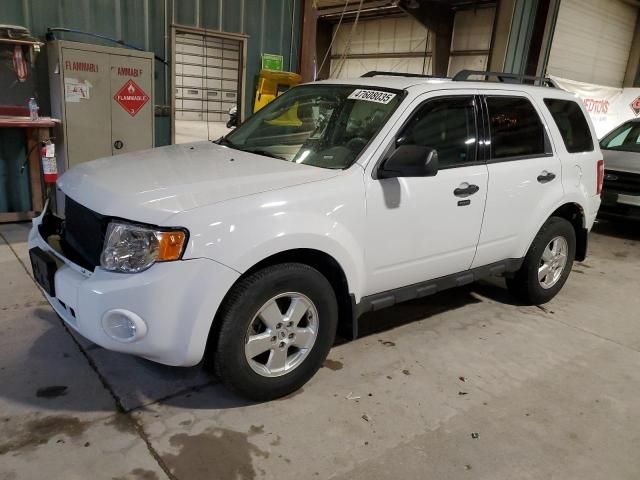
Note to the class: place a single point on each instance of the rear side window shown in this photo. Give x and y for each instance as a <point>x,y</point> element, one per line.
<point>516,129</point>
<point>572,124</point>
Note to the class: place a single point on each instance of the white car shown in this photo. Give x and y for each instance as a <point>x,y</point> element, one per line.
<point>338,198</point>
<point>621,189</point>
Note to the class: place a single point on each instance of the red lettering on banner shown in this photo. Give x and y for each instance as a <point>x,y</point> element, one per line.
<point>596,106</point>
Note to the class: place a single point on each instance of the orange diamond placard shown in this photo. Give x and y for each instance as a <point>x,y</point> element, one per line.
<point>131,97</point>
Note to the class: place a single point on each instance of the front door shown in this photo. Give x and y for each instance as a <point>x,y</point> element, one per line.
<point>424,228</point>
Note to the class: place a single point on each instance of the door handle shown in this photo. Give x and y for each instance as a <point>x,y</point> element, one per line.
<point>546,177</point>
<point>466,190</point>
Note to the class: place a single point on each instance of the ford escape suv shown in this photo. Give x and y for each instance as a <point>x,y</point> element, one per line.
<point>338,198</point>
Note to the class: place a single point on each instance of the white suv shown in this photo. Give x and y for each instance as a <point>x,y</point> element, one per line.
<point>338,198</point>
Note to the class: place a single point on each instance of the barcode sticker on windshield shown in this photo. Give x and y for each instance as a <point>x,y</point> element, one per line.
<point>372,96</point>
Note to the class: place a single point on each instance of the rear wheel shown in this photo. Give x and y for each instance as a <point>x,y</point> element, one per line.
<point>277,326</point>
<point>547,264</point>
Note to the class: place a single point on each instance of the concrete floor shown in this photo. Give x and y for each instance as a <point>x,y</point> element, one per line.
<point>461,385</point>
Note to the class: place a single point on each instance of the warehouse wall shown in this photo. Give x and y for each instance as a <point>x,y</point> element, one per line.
<point>273,26</point>
<point>386,44</point>
<point>592,41</point>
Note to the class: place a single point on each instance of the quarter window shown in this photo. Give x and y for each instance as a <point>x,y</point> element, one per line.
<point>572,125</point>
<point>516,129</point>
<point>448,125</point>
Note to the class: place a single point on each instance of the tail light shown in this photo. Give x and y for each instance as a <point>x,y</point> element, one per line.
<point>600,177</point>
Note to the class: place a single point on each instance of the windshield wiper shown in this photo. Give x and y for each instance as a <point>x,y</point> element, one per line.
<point>230,144</point>
<point>225,141</point>
<point>265,153</point>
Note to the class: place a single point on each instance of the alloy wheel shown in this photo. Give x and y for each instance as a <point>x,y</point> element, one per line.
<point>281,335</point>
<point>553,262</point>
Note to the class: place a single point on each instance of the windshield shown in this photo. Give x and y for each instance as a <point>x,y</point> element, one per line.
<point>322,125</point>
<point>626,138</point>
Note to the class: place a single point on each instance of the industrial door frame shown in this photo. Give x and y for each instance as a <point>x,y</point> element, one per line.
<point>240,37</point>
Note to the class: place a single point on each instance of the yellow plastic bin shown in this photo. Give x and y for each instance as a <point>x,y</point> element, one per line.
<point>272,83</point>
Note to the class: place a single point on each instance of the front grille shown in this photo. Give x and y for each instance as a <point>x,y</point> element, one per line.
<point>621,182</point>
<point>83,234</point>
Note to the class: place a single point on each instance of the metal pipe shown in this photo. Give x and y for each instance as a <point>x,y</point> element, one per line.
<point>26,13</point>
<point>118,14</point>
<point>147,19</point>
<point>20,42</point>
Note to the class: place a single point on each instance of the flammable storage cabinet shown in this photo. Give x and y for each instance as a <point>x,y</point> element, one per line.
<point>104,96</point>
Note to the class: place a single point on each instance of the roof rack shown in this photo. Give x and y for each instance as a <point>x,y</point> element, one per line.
<point>463,75</point>
<point>376,73</point>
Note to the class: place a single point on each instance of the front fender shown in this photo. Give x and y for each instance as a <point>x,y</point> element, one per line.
<point>328,216</point>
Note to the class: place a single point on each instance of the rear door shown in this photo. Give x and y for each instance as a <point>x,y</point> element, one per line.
<point>524,177</point>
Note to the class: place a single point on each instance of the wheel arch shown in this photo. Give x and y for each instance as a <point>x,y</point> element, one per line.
<point>574,214</point>
<point>326,264</point>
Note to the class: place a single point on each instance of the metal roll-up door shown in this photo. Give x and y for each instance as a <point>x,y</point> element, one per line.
<point>471,39</point>
<point>591,41</point>
<point>389,44</point>
<point>207,77</point>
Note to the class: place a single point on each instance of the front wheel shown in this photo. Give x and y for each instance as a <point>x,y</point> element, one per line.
<point>547,264</point>
<point>276,329</point>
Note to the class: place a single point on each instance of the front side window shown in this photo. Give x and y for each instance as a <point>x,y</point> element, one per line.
<point>625,138</point>
<point>446,124</point>
<point>516,129</point>
<point>572,124</point>
<point>321,125</point>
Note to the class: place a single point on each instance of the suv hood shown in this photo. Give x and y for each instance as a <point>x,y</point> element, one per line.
<point>151,185</point>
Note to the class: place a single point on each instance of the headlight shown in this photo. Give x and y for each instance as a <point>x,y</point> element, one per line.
<point>132,248</point>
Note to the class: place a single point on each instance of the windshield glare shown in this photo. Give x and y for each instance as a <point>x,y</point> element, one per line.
<point>322,125</point>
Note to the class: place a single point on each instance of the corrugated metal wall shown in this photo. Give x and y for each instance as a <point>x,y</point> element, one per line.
<point>273,26</point>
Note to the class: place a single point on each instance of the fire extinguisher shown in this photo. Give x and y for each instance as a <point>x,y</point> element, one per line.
<point>49,162</point>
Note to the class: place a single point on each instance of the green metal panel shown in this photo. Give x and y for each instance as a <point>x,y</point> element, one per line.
<point>269,25</point>
<point>14,183</point>
<point>524,16</point>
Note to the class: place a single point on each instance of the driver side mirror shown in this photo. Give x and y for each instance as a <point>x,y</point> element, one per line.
<point>410,161</point>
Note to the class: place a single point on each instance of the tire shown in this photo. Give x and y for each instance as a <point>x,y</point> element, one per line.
<point>526,285</point>
<point>249,314</point>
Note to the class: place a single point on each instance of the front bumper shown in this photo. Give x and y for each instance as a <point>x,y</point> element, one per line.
<point>177,301</point>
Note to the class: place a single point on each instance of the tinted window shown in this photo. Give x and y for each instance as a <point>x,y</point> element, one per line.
<point>572,125</point>
<point>446,124</point>
<point>626,138</point>
<point>516,129</point>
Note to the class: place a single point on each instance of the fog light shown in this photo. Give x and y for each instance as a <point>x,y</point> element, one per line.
<point>123,325</point>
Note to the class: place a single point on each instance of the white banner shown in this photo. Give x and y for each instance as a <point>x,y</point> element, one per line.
<point>607,106</point>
